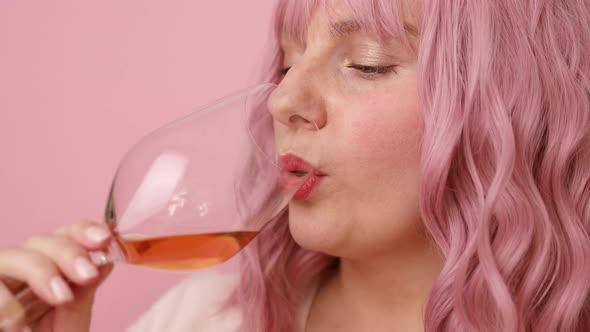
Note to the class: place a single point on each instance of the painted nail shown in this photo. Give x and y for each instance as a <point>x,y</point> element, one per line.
<point>60,289</point>
<point>84,268</point>
<point>97,234</point>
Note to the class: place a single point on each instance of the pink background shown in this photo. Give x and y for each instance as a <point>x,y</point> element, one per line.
<point>80,82</point>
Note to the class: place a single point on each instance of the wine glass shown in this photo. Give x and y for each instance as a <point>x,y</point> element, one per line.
<point>193,193</point>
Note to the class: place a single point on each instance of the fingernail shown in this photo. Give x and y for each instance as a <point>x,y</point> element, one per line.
<point>26,329</point>
<point>97,234</point>
<point>84,268</point>
<point>99,258</point>
<point>60,289</point>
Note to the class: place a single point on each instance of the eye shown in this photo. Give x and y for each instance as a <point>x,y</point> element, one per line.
<point>369,70</point>
<point>373,70</point>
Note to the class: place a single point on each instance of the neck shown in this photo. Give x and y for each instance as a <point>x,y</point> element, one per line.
<point>378,292</point>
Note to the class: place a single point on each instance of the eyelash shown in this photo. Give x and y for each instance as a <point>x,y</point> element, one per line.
<point>368,70</point>
<point>373,70</point>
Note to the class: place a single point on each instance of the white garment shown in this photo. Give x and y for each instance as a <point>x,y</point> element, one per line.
<point>192,306</point>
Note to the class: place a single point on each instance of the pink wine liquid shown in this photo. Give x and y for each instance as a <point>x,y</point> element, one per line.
<point>184,252</point>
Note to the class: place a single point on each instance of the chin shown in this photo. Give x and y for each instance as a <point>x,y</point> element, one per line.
<point>315,232</point>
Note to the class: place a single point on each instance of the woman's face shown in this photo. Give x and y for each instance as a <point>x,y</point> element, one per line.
<point>361,94</point>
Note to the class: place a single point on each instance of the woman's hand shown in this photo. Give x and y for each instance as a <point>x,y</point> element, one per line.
<point>58,270</point>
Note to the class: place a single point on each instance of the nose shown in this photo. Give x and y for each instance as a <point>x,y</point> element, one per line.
<point>296,102</point>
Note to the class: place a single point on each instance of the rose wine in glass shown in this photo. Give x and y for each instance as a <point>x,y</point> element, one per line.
<point>195,192</point>
<point>185,252</point>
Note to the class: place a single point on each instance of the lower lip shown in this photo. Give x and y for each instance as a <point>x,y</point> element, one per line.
<point>308,188</point>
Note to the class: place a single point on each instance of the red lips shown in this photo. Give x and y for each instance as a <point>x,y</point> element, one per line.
<point>291,163</point>
<point>297,173</point>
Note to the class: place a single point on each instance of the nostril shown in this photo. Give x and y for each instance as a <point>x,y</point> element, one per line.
<point>303,122</point>
<point>297,119</point>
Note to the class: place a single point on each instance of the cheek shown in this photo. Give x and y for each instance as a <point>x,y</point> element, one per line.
<point>386,136</point>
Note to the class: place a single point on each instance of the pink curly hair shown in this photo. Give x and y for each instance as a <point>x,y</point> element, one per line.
<point>505,190</point>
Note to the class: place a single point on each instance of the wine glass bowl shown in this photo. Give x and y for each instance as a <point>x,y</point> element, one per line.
<point>194,192</point>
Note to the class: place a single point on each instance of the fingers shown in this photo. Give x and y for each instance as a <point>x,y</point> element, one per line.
<point>55,267</point>
<point>89,234</point>
<point>38,271</point>
<point>13,285</point>
<point>69,256</point>
<point>12,313</point>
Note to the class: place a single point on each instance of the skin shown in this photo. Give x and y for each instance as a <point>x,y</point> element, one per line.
<point>43,257</point>
<point>364,131</point>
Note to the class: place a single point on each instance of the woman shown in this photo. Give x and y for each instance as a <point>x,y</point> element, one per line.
<point>456,141</point>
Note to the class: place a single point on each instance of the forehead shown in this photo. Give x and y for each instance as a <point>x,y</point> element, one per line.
<point>384,19</point>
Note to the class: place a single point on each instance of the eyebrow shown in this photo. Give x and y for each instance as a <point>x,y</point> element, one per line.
<point>343,28</point>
